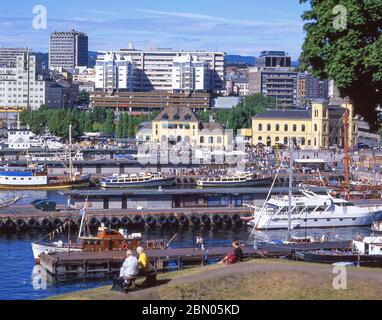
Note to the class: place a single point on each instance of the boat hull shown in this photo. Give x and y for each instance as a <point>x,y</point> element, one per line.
<point>39,249</point>
<point>52,185</point>
<point>254,182</point>
<point>315,222</point>
<point>362,260</point>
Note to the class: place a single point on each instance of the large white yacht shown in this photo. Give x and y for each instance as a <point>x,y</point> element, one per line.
<point>311,210</point>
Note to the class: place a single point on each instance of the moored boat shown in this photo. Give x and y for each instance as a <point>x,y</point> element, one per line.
<point>137,180</point>
<point>241,179</point>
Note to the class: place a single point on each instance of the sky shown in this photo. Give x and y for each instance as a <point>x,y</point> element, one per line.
<point>242,27</point>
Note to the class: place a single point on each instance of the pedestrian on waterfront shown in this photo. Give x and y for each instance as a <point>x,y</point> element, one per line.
<point>130,267</point>
<point>234,257</point>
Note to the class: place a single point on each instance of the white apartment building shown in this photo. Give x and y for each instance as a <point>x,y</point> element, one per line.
<point>190,75</point>
<point>114,72</point>
<point>153,69</point>
<point>20,86</point>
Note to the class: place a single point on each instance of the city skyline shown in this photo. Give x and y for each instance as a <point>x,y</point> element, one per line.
<point>236,28</point>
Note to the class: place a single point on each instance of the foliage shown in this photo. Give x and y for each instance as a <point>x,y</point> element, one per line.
<point>57,121</point>
<point>350,55</point>
<point>241,115</point>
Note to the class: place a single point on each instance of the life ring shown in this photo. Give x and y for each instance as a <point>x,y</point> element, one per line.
<point>124,246</point>
<point>90,205</point>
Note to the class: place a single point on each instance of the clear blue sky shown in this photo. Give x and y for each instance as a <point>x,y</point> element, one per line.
<point>235,26</point>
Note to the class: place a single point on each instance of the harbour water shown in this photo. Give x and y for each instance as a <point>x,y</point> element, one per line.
<point>20,279</point>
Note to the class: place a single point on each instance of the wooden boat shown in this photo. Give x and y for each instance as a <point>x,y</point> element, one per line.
<point>107,239</point>
<point>34,178</point>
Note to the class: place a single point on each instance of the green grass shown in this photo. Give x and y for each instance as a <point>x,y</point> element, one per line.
<point>254,280</point>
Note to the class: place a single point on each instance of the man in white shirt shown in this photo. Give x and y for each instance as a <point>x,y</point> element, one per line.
<point>130,267</point>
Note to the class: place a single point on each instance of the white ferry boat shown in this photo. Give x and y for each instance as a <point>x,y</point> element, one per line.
<point>243,179</point>
<point>311,210</point>
<point>137,180</point>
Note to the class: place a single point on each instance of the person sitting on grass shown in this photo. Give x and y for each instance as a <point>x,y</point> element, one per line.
<point>234,257</point>
<point>130,267</point>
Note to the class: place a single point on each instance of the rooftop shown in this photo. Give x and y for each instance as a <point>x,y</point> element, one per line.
<point>290,114</point>
<point>176,114</point>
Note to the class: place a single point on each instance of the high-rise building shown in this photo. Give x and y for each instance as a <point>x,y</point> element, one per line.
<point>8,56</point>
<point>189,74</point>
<point>21,86</point>
<point>114,72</point>
<point>153,69</point>
<point>279,83</point>
<point>310,88</point>
<point>68,50</point>
<point>274,59</point>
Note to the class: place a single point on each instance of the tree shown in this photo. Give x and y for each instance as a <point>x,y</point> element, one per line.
<point>109,126</point>
<point>344,43</point>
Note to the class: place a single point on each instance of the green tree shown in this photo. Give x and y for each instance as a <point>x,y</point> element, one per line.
<point>109,126</point>
<point>346,46</point>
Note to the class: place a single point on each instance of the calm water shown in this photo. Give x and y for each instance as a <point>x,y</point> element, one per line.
<point>19,279</point>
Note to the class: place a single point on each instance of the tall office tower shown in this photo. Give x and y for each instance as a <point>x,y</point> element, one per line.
<point>153,69</point>
<point>190,75</point>
<point>8,56</point>
<point>68,50</point>
<point>20,86</point>
<point>114,72</point>
<point>274,59</point>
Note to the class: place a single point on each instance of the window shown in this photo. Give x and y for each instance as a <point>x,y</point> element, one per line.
<point>269,127</point>
<point>260,127</point>
<point>211,140</point>
<point>286,141</point>
<point>294,128</point>
<point>277,127</point>
<point>277,139</point>
<point>286,127</point>
<point>303,141</point>
<point>165,116</point>
<point>303,129</point>
<point>315,127</point>
<point>220,140</point>
<point>201,139</point>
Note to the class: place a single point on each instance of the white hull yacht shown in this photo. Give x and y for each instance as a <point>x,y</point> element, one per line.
<point>311,211</point>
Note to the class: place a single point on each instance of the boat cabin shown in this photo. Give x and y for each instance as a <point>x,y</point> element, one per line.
<point>109,240</point>
<point>368,246</point>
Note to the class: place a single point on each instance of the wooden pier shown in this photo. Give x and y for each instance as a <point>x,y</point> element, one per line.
<point>88,264</point>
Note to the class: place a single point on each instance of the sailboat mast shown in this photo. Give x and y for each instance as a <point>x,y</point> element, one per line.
<point>70,153</point>
<point>347,160</point>
<point>290,189</point>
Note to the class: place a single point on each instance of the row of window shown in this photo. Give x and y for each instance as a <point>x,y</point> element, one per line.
<point>286,128</point>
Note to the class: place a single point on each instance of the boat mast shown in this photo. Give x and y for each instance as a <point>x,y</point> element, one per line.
<point>290,188</point>
<point>346,144</point>
<point>70,153</point>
